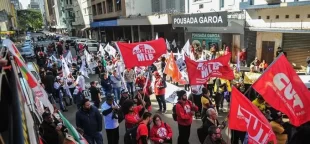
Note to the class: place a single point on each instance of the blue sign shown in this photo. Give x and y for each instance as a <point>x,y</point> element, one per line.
<point>104,23</point>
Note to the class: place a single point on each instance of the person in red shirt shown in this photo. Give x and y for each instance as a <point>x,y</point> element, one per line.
<point>159,89</point>
<point>132,113</point>
<point>161,132</point>
<point>185,110</point>
<point>141,81</point>
<point>142,130</point>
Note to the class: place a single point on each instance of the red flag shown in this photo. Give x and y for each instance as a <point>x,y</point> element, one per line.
<point>244,116</point>
<point>172,69</point>
<point>200,72</point>
<point>143,53</point>
<point>282,88</point>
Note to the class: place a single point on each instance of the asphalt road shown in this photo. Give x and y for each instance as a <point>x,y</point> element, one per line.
<point>70,115</point>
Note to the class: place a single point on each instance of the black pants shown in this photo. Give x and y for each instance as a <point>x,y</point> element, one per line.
<point>161,101</point>
<point>218,98</point>
<point>184,133</point>
<point>236,136</point>
<point>112,135</point>
<point>186,87</point>
<point>197,101</point>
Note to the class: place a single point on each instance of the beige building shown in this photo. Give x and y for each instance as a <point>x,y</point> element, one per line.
<point>279,23</point>
<point>6,18</point>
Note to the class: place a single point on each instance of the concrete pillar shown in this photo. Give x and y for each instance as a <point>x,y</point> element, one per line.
<point>132,34</point>
<point>124,36</point>
<point>153,33</point>
<point>139,36</point>
<point>99,33</point>
<point>113,34</point>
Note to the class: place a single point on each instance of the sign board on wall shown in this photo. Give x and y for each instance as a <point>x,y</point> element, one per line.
<point>216,19</point>
<point>205,40</point>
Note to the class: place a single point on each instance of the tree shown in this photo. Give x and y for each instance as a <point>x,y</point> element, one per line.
<point>29,18</point>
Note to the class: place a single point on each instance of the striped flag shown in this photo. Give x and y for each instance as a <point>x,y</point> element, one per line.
<point>71,129</point>
<point>12,48</point>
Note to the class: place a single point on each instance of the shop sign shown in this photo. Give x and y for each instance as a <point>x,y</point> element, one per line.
<point>205,40</point>
<point>216,19</point>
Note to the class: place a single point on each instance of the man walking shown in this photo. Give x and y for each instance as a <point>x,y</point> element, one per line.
<point>117,84</point>
<point>89,119</point>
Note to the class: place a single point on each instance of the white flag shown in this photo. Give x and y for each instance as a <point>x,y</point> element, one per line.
<point>174,44</point>
<point>53,58</point>
<point>156,37</point>
<point>65,68</point>
<point>101,50</point>
<point>168,44</point>
<point>69,57</point>
<point>83,69</point>
<point>111,50</point>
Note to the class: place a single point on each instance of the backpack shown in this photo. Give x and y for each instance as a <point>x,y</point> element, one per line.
<point>174,112</point>
<point>130,136</point>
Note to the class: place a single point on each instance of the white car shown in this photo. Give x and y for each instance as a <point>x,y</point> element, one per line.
<point>91,41</point>
<point>81,40</point>
<point>92,47</point>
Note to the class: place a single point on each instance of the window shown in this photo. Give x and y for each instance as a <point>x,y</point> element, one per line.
<point>67,1</point>
<point>308,15</point>
<point>222,3</point>
<point>277,16</point>
<point>287,16</point>
<point>104,9</point>
<point>170,4</point>
<point>99,8</point>
<point>94,10</point>
<point>70,1</point>
<point>110,6</point>
<point>155,6</point>
<point>268,17</point>
<point>297,16</point>
<point>201,6</point>
<point>118,5</point>
<point>259,17</point>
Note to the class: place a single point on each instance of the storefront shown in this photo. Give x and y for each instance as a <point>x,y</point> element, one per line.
<point>206,29</point>
<point>297,47</point>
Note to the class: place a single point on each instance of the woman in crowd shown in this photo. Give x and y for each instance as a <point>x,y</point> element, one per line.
<point>161,132</point>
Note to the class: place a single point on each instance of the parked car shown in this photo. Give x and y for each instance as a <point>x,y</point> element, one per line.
<point>34,69</point>
<point>71,40</point>
<point>92,47</point>
<point>27,52</point>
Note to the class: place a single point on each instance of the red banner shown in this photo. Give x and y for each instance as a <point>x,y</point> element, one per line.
<point>282,88</point>
<point>244,116</point>
<point>200,72</point>
<point>143,53</point>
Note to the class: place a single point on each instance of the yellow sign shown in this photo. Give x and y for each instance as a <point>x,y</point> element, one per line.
<point>250,77</point>
<point>7,32</point>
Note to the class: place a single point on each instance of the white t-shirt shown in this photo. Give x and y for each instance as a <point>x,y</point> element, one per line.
<point>109,122</point>
<point>197,88</point>
<point>110,68</point>
<point>81,81</point>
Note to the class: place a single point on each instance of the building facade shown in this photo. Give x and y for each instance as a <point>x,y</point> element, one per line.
<point>82,18</point>
<point>17,4</point>
<point>6,16</point>
<point>280,23</point>
<point>34,4</point>
<point>60,16</point>
<point>132,20</point>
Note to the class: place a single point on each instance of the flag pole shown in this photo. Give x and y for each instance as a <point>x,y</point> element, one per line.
<point>263,73</point>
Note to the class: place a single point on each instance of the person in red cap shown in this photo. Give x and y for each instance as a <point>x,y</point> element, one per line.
<point>160,89</point>
<point>185,110</point>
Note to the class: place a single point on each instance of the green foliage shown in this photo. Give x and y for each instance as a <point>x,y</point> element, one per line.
<point>29,18</point>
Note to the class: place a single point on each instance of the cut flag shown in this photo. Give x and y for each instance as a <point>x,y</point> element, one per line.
<point>77,137</point>
<point>172,70</point>
<point>13,49</point>
<point>143,53</point>
<point>283,89</point>
<point>168,44</point>
<point>200,72</point>
<point>244,116</point>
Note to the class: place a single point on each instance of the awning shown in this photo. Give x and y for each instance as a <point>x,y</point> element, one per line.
<point>280,30</point>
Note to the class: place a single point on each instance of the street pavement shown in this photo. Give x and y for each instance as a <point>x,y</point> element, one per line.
<point>70,115</point>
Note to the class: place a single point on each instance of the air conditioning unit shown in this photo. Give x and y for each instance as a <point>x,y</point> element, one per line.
<point>273,1</point>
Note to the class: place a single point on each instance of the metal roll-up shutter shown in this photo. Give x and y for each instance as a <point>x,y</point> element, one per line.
<point>250,44</point>
<point>297,47</point>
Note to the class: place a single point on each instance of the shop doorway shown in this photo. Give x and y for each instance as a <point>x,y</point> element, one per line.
<point>268,51</point>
